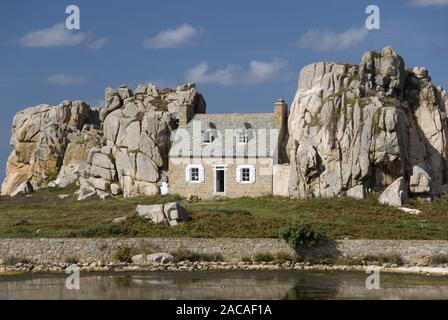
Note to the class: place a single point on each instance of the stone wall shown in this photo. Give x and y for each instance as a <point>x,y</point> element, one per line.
<point>94,250</point>
<point>261,187</point>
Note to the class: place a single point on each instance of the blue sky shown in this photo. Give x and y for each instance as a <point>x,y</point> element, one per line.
<point>242,54</point>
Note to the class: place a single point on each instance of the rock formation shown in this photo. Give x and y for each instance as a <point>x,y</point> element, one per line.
<point>45,139</point>
<point>170,213</point>
<point>121,148</point>
<point>137,131</point>
<point>356,129</point>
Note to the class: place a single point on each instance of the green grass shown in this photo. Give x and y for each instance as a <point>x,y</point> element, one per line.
<point>339,218</point>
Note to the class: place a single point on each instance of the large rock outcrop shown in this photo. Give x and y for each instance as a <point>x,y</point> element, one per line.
<point>137,130</point>
<point>42,137</point>
<point>355,129</point>
<point>122,147</point>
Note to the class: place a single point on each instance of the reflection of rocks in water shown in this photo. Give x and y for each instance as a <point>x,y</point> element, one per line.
<point>180,285</point>
<point>315,285</point>
<point>397,287</point>
<point>351,285</point>
<point>224,285</point>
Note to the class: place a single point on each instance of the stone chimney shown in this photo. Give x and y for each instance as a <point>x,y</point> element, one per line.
<point>186,113</point>
<point>280,113</point>
<point>281,123</point>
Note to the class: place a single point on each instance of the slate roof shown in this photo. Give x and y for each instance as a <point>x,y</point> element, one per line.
<point>225,128</point>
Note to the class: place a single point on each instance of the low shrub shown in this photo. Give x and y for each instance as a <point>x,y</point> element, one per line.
<point>303,235</point>
<point>280,257</point>
<point>264,257</point>
<point>349,261</point>
<point>124,254</point>
<point>186,255</point>
<point>71,260</point>
<point>284,257</point>
<point>438,259</point>
<point>13,260</point>
<point>392,258</point>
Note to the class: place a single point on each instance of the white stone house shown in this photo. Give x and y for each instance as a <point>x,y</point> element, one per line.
<point>228,155</point>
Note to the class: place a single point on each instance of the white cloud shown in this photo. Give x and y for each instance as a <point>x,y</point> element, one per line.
<point>62,79</point>
<point>171,38</point>
<point>59,36</point>
<point>257,72</point>
<point>325,40</point>
<point>97,43</point>
<point>428,3</point>
<point>55,36</point>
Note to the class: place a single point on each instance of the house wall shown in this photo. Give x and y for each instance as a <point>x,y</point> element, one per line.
<point>177,183</point>
<point>284,180</point>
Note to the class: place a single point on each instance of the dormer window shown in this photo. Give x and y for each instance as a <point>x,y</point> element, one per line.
<point>207,137</point>
<point>243,137</point>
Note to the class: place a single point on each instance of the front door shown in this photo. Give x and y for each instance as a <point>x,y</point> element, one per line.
<point>220,180</point>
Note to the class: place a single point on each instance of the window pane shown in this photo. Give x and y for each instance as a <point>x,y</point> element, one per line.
<point>245,174</point>
<point>207,137</point>
<point>194,174</point>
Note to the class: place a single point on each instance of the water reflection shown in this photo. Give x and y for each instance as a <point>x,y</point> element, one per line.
<point>224,285</point>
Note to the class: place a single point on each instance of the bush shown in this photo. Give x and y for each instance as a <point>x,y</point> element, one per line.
<point>303,236</point>
<point>283,257</point>
<point>264,257</point>
<point>124,254</point>
<point>392,258</point>
<point>438,259</point>
<point>71,260</point>
<point>185,255</point>
<point>12,261</point>
<point>280,257</point>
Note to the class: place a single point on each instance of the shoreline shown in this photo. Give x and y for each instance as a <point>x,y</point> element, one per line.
<point>185,266</point>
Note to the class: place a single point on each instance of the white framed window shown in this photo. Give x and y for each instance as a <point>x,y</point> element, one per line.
<point>245,174</point>
<point>194,174</point>
<point>243,137</point>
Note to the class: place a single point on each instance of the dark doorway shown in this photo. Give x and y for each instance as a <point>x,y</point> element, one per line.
<point>220,181</point>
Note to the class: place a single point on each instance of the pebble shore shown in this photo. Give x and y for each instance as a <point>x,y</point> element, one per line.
<point>186,266</point>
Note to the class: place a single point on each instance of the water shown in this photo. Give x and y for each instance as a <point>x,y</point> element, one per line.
<point>224,285</point>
